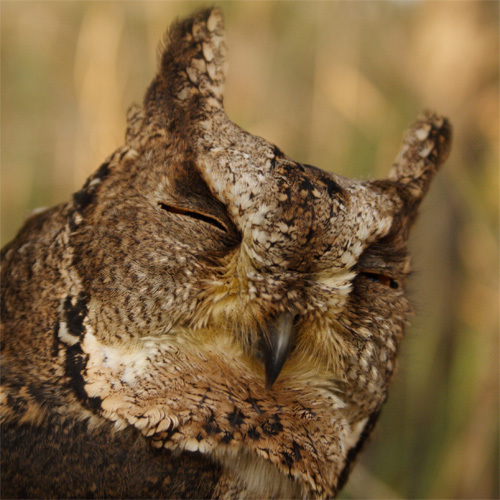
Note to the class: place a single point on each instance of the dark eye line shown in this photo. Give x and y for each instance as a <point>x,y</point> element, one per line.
<point>193,215</point>
<point>383,279</point>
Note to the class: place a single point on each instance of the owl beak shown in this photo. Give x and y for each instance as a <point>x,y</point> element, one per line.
<point>277,344</point>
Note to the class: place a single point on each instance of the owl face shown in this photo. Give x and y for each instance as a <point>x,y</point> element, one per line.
<point>290,263</point>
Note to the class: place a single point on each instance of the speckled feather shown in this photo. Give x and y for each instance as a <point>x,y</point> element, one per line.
<point>136,319</point>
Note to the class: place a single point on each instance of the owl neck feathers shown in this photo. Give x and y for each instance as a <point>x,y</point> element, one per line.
<point>185,397</point>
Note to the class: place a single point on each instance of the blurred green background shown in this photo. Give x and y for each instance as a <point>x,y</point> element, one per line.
<point>333,84</point>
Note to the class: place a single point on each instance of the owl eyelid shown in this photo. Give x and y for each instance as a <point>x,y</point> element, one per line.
<point>381,278</point>
<point>194,215</point>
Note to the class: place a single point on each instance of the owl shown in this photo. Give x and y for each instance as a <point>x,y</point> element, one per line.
<point>206,318</point>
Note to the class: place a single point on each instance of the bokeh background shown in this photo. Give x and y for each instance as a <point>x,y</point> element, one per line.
<point>333,84</point>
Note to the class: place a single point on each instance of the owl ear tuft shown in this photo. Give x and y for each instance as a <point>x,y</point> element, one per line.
<point>193,65</point>
<point>425,147</point>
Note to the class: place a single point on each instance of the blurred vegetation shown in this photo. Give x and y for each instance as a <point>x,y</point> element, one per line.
<point>333,84</point>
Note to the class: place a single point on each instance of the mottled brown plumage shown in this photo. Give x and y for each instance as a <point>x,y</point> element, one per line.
<point>206,318</point>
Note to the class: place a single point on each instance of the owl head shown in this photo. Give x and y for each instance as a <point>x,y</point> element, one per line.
<point>238,303</point>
